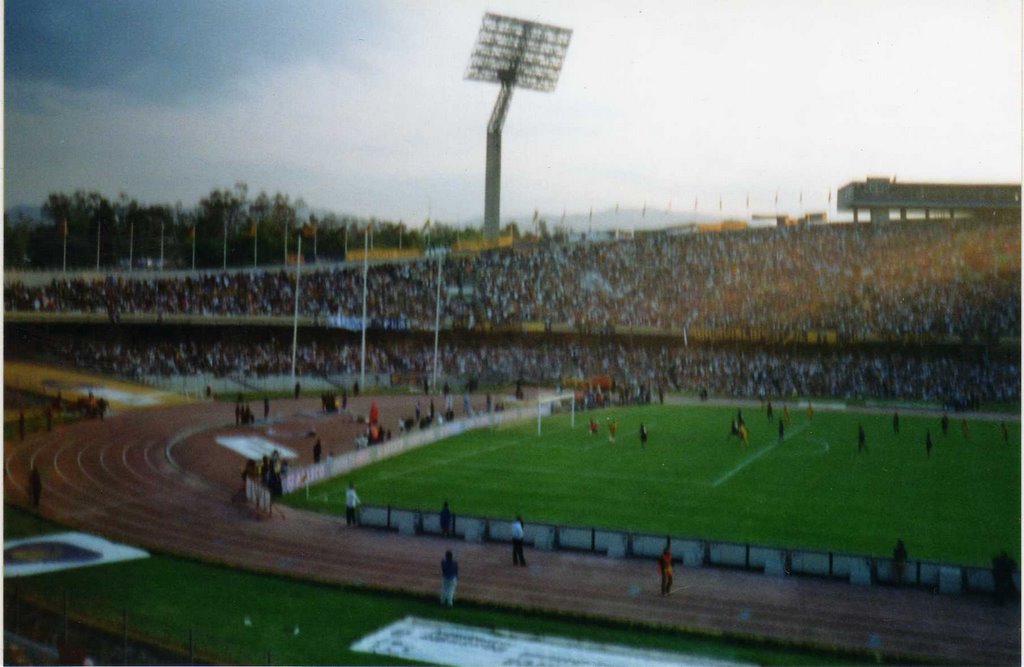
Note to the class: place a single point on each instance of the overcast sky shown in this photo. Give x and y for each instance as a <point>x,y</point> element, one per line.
<point>361,107</point>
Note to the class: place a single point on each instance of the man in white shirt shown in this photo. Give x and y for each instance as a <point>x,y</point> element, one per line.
<point>517,542</point>
<point>351,503</point>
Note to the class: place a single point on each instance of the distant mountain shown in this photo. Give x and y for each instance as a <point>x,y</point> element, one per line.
<point>625,219</point>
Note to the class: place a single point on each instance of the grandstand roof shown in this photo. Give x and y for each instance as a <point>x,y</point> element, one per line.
<point>886,192</point>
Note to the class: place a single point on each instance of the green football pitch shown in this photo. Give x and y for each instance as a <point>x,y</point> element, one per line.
<point>813,489</point>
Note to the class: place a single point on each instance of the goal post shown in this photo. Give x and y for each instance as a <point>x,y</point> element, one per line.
<point>554,403</point>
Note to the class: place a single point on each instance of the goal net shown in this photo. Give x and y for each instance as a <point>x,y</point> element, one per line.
<point>552,404</point>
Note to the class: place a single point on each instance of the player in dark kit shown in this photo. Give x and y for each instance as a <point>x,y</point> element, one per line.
<point>928,443</point>
<point>861,445</point>
<point>643,435</point>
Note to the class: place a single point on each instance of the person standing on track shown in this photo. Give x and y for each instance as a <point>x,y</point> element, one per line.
<point>352,502</point>
<point>517,542</point>
<point>446,520</point>
<point>35,485</point>
<point>665,569</point>
<point>449,579</point>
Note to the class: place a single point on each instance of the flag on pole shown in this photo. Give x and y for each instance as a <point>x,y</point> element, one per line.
<point>801,197</point>
<point>830,197</point>
<point>719,203</point>
<point>776,197</point>
<point>643,213</point>
<point>590,218</point>
<point>695,204</point>
<point>748,201</point>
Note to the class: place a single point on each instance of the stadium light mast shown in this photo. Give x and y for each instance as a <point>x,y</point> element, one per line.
<point>513,53</point>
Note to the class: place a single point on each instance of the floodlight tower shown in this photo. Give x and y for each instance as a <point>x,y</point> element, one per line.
<point>512,52</point>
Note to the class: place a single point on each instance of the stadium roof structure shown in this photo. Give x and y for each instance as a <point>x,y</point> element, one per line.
<point>513,53</point>
<point>886,192</point>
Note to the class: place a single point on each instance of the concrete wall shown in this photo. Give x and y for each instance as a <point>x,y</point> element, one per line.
<point>773,561</point>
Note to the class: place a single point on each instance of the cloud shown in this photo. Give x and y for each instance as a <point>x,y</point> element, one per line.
<point>361,107</point>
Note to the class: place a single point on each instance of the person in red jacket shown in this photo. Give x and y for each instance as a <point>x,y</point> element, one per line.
<point>665,568</point>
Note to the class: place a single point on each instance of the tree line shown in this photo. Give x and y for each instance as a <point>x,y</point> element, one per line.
<point>227,227</point>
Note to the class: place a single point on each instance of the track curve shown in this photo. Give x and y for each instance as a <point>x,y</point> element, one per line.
<point>154,477</point>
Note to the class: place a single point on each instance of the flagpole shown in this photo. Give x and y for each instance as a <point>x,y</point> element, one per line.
<point>131,245</point>
<point>99,226</point>
<point>295,317</point>
<point>437,318</point>
<point>225,264</point>
<point>366,270</point>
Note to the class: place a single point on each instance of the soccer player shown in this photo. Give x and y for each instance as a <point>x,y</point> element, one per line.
<point>612,425</point>
<point>896,423</point>
<point>785,415</point>
<point>945,424</point>
<point>782,429</point>
<point>593,427</point>
<point>643,436</point>
<point>1005,432</point>
<point>928,443</point>
<point>861,446</point>
<point>810,411</point>
<point>743,434</point>
<point>770,414</point>
<point>965,430</point>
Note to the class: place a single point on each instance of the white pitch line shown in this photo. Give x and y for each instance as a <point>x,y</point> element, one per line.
<point>745,462</point>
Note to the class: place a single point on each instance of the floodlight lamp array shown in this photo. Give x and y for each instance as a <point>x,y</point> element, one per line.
<point>518,53</point>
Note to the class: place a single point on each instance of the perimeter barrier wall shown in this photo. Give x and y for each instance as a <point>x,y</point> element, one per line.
<point>857,569</point>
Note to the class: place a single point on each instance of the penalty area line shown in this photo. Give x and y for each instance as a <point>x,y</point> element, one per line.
<point>747,461</point>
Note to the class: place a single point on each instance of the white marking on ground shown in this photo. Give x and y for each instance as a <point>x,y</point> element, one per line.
<point>420,640</point>
<point>747,461</point>
<point>254,447</point>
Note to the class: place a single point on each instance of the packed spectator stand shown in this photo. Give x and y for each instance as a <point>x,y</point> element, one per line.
<point>928,284</point>
<point>936,279</point>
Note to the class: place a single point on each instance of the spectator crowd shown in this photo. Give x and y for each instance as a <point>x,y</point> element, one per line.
<point>638,366</point>
<point>916,279</point>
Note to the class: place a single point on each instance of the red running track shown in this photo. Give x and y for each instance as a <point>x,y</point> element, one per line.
<point>155,478</point>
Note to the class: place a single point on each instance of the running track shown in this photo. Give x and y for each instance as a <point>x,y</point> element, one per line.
<point>154,477</point>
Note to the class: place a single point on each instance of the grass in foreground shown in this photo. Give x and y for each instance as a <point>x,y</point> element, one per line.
<point>167,596</point>
<point>811,490</point>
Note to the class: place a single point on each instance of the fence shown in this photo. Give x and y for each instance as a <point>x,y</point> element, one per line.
<point>339,465</point>
<point>258,495</point>
<point>696,552</point>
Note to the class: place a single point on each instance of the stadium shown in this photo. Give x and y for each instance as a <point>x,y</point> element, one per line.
<point>243,432</point>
